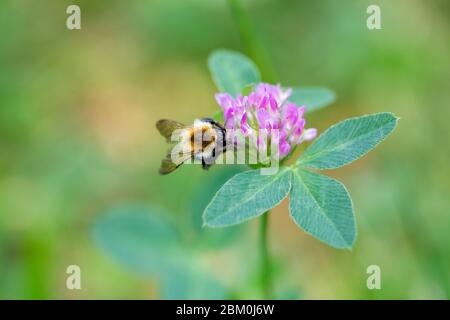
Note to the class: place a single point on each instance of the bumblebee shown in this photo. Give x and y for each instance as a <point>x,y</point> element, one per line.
<point>203,141</point>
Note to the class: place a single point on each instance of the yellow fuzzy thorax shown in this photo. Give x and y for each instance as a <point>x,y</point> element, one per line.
<point>201,137</point>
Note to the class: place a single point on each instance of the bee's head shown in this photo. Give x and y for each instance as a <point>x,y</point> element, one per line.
<point>216,125</point>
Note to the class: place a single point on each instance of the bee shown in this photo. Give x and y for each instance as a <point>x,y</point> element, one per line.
<point>203,141</point>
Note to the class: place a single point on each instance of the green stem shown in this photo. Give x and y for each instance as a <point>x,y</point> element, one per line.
<point>252,45</point>
<point>256,52</point>
<point>266,275</point>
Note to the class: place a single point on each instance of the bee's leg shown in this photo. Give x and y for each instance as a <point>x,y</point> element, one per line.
<point>205,166</point>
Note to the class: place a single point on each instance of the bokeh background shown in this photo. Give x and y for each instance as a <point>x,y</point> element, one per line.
<point>77,141</point>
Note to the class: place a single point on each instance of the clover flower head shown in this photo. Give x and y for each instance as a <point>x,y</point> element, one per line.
<point>266,109</point>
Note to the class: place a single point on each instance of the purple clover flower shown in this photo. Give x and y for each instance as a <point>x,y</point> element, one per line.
<point>266,109</point>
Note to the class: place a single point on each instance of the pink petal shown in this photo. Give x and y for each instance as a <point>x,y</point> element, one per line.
<point>309,134</point>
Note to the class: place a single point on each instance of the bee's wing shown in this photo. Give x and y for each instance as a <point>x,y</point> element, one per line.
<point>167,165</point>
<point>166,127</point>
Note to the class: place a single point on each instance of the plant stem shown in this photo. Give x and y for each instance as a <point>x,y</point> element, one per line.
<point>266,274</point>
<point>253,47</point>
<point>256,52</point>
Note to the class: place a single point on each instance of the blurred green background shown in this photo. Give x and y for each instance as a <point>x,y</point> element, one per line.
<point>77,140</point>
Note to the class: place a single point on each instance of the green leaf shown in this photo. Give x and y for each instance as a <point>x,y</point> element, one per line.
<point>200,197</point>
<point>231,71</point>
<point>347,141</point>
<point>145,240</point>
<point>312,98</point>
<point>322,207</point>
<point>193,284</point>
<point>139,237</point>
<point>246,196</point>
